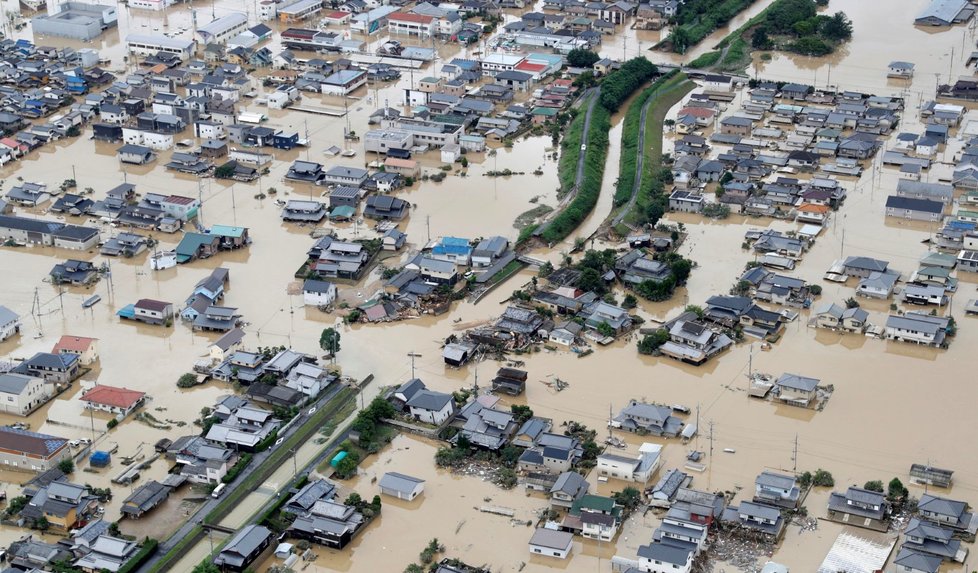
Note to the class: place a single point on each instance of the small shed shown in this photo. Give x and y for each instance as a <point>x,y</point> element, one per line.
<point>100,459</point>
<point>401,486</point>
<point>337,459</point>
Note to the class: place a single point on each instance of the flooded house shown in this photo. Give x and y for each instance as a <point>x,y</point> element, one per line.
<point>149,311</point>
<point>510,381</point>
<point>929,475</point>
<point>401,486</point>
<point>914,209</point>
<point>930,538</point>
<point>948,512</point>
<point>120,401</point>
<point>55,368</point>
<point>62,504</point>
<point>431,407</point>
<point>569,487</point>
<point>796,390</point>
<point>21,450</point>
<point>659,557</point>
<point>21,394</point>
<point>639,470</point>
<point>861,508</point>
<point>833,316</point>
<point>244,548</point>
<point>303,211</point>
<point>144,499</point>
<point>917,327</point>
<point>125,245</point>
<point>594,517</point>
<point>10,323</point>
<point>644,418</point>
<point>777,489</point>
<point>318,293</point>
<point>551,543</point>
<point>244,428</point>
<point>199,461</point>
<point>693,342</point>
<point>758,518</point>
<point>327,523</point>
<point>74,272</point>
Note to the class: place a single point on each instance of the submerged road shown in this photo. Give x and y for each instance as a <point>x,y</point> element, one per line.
<point>208,506</point>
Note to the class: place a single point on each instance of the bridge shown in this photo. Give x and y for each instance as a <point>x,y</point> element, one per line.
<point>531,261</point>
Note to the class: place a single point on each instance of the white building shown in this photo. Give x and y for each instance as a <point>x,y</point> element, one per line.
<point>221,30</point>
<point>638,470</point>
<point>154,5</point>
<point>149,45</point>
<point>318,293</point>
<point>664,558</point>
<point>431,407</point>
<point>401,486</point>
<point>9,323</point>
<point>409,24</point>
<point>21,394</point>
<point>551,543</point>
<point>150,139</point>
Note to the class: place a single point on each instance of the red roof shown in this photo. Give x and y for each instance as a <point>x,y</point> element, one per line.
<point>179,200</point>
<point>525,66</point>
<point>112,396</point>
<point>72,344</point>
<point>697,112</point>
<point>409,17</point>
<point>337,14</point>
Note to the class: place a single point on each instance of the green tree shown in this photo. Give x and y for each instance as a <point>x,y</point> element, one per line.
<point>582,58</point>
<point>680,39</point>
<point>585,80</point>
<point>347,467</point>
<point>629,301</point>
<point>206,567</point>
<point>414,568</point>
<point>591,280</point>
<point>66,466</point>
<point>852,303</point>
<point>187,380</point>
<point>681,268</point>
<point>329,340</point>
<point>605,329</point>
<point>837,28</point>
<point>695,309</point>
<point>895,490</point>
<point>651,342</point>
<point>546,269</point>
<point>629,498</point>
<point>225,171</point>
<point>760,41</point>
<point>353,500</point>
<point>875,485</point>
<point>521,413</point>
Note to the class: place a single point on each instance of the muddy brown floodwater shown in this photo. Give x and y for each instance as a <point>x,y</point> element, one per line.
<point>894,404</point>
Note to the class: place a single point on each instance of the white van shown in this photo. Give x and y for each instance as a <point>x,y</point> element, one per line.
<point>218,490</point>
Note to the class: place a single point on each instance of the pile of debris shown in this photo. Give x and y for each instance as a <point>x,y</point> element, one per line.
<point>738,551</point>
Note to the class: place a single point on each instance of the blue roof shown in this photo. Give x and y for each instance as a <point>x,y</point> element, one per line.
<point>127,311</point>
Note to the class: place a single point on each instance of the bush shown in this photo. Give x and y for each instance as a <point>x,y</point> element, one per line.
<point>651,342</point>
<point>145,552</point>
<point>875,485</point>
<point>112,423</point>
<point>66,466</point>
<point>237,468</point>
<point>187,380</point>
<point>620,84</point>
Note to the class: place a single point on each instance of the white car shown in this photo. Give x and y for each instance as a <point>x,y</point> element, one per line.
<point>583,147</point>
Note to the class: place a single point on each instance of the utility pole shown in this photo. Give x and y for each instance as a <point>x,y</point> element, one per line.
<point>428,226</point>
<point>711,439</point>
<point>794,456</point>
<point>475,385</point>
<point>413,355</point>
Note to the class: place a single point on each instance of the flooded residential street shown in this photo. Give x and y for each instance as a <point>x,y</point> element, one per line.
<point>893,404</point>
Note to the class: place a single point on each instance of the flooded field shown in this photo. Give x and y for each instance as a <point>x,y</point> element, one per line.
<point>872,427</point>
